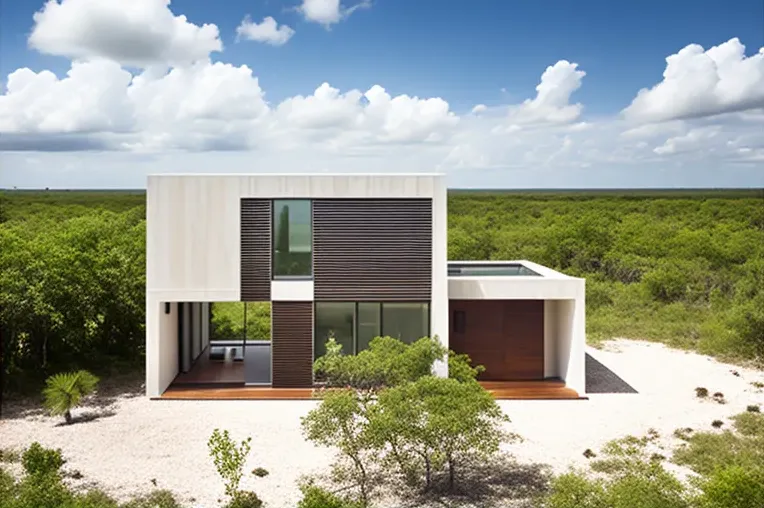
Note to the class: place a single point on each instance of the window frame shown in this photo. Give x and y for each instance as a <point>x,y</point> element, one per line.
<point>274,275</point>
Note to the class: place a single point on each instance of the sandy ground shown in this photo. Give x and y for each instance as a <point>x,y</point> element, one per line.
<point>139,440</point>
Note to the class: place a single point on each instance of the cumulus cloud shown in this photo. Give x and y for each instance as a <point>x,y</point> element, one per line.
<point>698,83</point>
<point>552,101</point>
<point>267,31</point>
<point>132,32</point>
<point>688,142</point>
<point>329,12</point>
<point>91,98</point>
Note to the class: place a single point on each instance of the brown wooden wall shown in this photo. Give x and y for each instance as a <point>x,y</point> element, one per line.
<point>372,249</point>
<point>255,250</point>
<point>292,344</point>
<point>505,336</point>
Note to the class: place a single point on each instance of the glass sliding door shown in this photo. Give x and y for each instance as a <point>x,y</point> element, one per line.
<point>369,324</point>
<point>335,319</point>
<point>406,321</point>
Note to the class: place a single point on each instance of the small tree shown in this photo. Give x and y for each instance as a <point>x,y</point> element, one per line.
<point>341,421</point>
<point>229,459</point>
<point>64,391</point>
<point>437,423</point>
<point>460,367</point>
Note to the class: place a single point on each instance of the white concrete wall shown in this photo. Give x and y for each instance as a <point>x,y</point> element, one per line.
<point>551,332</point>
<point>161,356</point>
<point>193,242</point>
<point>292,290</point>
<point>439,323</point>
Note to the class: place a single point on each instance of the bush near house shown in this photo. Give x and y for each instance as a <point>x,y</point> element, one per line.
<point>396,422</point>
<point>63,392</point>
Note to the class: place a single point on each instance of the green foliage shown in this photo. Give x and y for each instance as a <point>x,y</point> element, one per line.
<point>227,320</point>
<point>39,461</point>
<point>317,497</point>
<point>460,367</point>
<point>9,455</point>
<point>64,391</point>
<point>437,424</point>
<point>342,422</point>
<point>229,459</point>
<point>733,487</point>
<point>94,499</point>
<point>155,499</point>
<point>633,478</point>
<point>706,452</point>
<point>683,268</point>
<point>72,284</point>
<point>244,499</point>
<point>387,362</point>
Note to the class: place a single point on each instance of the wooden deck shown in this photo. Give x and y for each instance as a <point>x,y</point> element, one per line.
<point>502,390</point>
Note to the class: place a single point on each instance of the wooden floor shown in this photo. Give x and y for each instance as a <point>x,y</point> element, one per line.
<point>205,371</point>
<point>502,390</point>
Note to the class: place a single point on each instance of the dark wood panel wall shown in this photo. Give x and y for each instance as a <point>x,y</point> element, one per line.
<point>505,336</point>
<point>372,249</point>
<point>292,344</point>
<point>255,249</point>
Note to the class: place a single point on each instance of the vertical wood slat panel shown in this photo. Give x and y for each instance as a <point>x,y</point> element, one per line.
<point>255,250</point>
<point>372,249</point>
<point>292,344</point>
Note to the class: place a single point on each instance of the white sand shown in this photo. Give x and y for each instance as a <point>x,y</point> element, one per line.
<point>166,440</point>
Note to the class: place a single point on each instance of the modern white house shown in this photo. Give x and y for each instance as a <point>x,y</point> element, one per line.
<point>357,255</point>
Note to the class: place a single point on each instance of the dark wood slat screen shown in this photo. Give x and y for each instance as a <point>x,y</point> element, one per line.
<point>292,344</point>
<point>255,250</point>
<point>505,336</point>
<point>372,249</point>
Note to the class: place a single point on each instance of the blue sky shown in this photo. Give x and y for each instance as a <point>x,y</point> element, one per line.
<point>488,52</point>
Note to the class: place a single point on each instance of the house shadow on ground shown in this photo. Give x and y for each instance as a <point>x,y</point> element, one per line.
<point>600,379</point>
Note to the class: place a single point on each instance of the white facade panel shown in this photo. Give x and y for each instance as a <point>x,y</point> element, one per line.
<point>292,290</point>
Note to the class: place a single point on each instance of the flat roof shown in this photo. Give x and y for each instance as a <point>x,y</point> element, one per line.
<point>509,268</point>
<point>298,174</point>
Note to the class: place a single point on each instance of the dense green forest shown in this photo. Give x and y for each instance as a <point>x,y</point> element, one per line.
<point>675,266</point>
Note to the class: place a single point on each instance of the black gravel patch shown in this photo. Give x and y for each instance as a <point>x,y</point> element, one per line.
<point>600,379</point>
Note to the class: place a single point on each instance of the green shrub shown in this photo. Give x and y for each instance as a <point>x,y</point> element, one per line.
<point>244,499</point>
<point>387,362</point>
<point>94,499</point>
<point>317,497</point>
<point>574,490</point>
<point>229,459</point>
<point>155,499</point>
<point>733,487</point>
<point>460,367</point>
<point>42,491</point>
<point>40,461</point>
<point>7,486</point>
<point>64,391</point>
<point>9,455</point>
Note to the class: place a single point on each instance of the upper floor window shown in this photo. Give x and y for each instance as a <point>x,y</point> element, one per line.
<point>292,238</point>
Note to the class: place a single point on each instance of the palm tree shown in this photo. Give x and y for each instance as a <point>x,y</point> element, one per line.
<point>63,391</point>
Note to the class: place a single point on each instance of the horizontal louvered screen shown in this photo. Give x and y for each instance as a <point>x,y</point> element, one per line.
<point>292,344</point>
<point>255,250</point>
<point>372,249</point>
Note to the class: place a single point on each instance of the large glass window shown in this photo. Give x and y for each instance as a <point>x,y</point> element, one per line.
<point>406,321</point>
<point>240,320</point>
<point>337,320</point>
<point>369,324</point>
<point>292,238</point>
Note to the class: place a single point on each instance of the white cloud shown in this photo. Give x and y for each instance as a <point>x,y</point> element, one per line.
<point>698,83</point>
<point>329,12</point>
<point>267,31</point>
<point>131,32</point>
<point>90,99</point>
<point>181,102</point>
<point>552,101</point>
